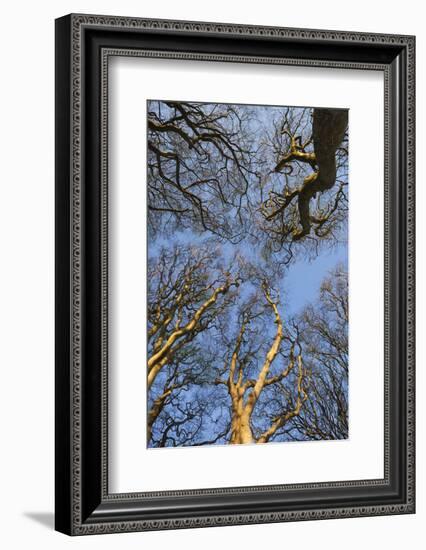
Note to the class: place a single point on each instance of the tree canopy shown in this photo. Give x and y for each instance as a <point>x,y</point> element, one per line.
<point>238,196</point>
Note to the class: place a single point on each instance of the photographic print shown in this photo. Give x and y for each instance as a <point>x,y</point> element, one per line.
<point>247,274</point>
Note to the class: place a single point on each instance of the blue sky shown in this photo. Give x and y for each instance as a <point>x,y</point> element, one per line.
<point>303,279</point>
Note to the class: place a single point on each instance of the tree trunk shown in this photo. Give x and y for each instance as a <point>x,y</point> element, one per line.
<point>240,427</point>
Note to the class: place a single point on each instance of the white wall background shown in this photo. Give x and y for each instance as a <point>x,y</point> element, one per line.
<point>26,289</point>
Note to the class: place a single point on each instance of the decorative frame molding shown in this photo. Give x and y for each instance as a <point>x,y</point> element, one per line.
<point>84,44</point>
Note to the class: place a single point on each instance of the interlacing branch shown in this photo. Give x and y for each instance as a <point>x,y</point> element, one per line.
<point>245,391</point>
<point>200,165</point>
<point>328,131</point>
<point>182,307</point>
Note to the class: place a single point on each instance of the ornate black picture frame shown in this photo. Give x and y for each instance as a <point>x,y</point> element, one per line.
<point>84,44</point>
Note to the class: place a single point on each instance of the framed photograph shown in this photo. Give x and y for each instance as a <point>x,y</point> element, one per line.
<point>234,274</point>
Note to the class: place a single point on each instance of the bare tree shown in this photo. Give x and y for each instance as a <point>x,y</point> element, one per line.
<point>185,295</point>
<point>255,377</point>
<point>200,165</point>
<point>307,197</point>
<point>222,170</point>
<point>324,331</point>
<point>249,370</point>
<point>187,290</point>
<point>177,410</point>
